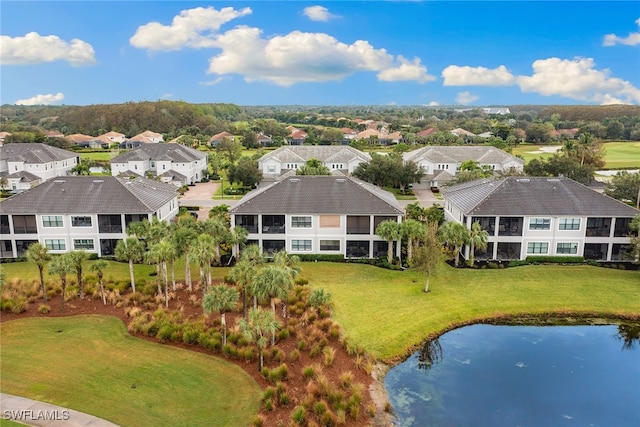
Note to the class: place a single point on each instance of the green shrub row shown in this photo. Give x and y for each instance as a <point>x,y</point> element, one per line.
<point>544,259</point>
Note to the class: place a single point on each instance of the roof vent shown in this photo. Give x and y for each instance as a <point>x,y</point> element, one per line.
<point>59,181</point>
<point>553,180</point>
<point>294,180</point>
<point>341,180</point>
<point>523,180</point>
<point>98,181</point>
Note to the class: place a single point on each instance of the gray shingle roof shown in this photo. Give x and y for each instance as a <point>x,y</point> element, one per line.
<point>34,153</point>
<point>23,175</point>
<point>302,153</point>
<point>459,154</point>
<point>174,152</point>
<point>533,196</point>
<point>320,195</point>
<point>91,195</point>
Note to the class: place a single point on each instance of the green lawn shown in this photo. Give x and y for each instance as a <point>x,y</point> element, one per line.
<point>387,313</point>
<point>99,156</point>
<point>618,155</point>
<point>91,364</point>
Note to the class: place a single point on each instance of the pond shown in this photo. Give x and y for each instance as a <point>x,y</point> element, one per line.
<point>487,375</point>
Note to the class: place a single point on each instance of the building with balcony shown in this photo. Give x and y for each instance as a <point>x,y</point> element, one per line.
<point>81,212</point>
<point>541,216</point>
<point>23,166</point>
<point>289,158</point>
<point>318,215</point>
<point>172,163</point>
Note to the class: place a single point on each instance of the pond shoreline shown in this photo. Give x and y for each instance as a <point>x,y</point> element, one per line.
<point>379,394</point>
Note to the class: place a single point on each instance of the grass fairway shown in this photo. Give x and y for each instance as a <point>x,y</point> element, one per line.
<point>91,364</point>
<point>618,155</point>
<point>387,313</point>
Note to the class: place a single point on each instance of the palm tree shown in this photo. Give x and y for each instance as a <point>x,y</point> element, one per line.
<point>39,255</point>
<point>243,274</point>
<point>389,230</point>
<point>411,229</point>
<point>221,298</point>
<point>291,263</point>
<point>273,282</point>
<point>131,250</point>
<point>478,238</point>
<point>238,238</point>
<point>183,237</point>
<point>217,228</point>
<point>254,257</point>
<point>62,265</point>
<point>260,324</point>
<point>77,258</point>
<point>161,253</point>
<point>320,298</point>
<point>455,235</point>
<point>202,254</point>
<point>99,267</point>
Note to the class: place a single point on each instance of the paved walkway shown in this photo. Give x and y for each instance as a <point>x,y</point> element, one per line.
<point>35,413</point>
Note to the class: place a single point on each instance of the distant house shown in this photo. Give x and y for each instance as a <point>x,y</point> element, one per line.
<point>442,163</point>
<point>113,137</point>
<point>26,165</point>
<point>219,137</point>
<point>565,133</point>
<point>318,215</point>
<point>462,133</point>
<point>289,158</point>
<point>349,134</point>
<point>497,110</point>
<point>171,163</point>
<point>297,137</point>
<point>426,132</point>
<point>541,216</point>
<point>53,134</point>
<point>148,137</point>
<point>264,140</point>
<point>81,212</point>
<point>3,135</point>
<point>77,138</point>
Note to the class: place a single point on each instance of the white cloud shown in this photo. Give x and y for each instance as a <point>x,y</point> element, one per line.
<point>434,104</point>
<point>166,96</point>
<point>577,79</point>
<point>47,99</point>
<point>195,28</point>
<point>34,49</point>
<point>318,13</point>
<point>407,70</point>
<point>212,82</point>
<point>477,76</point>
<point>632,39</point>
<point>304,57</point>
<point>465,98</point>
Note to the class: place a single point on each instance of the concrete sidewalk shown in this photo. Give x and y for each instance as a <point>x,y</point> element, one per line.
<point>35,413</point>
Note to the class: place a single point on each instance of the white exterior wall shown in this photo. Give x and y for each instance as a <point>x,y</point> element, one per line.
<point>118,168</point>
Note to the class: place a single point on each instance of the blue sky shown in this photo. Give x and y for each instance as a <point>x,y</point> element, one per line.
<point>320,53</point>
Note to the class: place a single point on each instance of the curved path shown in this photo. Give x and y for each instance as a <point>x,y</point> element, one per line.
<point>35,413</point>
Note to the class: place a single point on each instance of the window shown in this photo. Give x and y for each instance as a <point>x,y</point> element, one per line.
<point>55,244</point>
<point>329,245</point>
<point>6,249</point>
<point>83,244</point>
<point>301,221</point>
<point>358,225</point>
<point>537,247</point>
<point>110,223</point>
<point>329,221</point>
<point>569,224</point>
<point>271,168</point>
<point>539,223</point>
<point>52,221</point>
<point>81,221</point>
<point>24,224</point>
<point>301,245</point>
<point>4,224</point>
<point>567,248</point>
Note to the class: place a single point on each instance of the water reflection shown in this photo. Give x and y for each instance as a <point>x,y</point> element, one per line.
<point>629,334</point>
<point>521,375</point>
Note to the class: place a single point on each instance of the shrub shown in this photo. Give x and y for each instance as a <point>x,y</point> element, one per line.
<point>346,379</point>
<point>315,350</point>
<point>257,421</point>
<point>302,344</point>
<point>328,419</point>
<point>329,355</point>
<point>320,408</point>
<point>517,263</point>
<point>297,415</point>
<point>555,259</point>
<point>44,309</point>
<point>308,372</point>
<point>294,356</point>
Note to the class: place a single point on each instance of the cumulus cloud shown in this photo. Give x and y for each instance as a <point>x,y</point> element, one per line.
<point>578,79</point>
<point>465,98</point>
<point>434,104</point>
<point>477,76</point>
<point>212,82</point>
<point>47,99</point>
<point>305,57</point>
<point>195,28</point>
<point>34,49</point>
<point>318,13</point>
<point>407,70</point>
<point>631,40</point>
